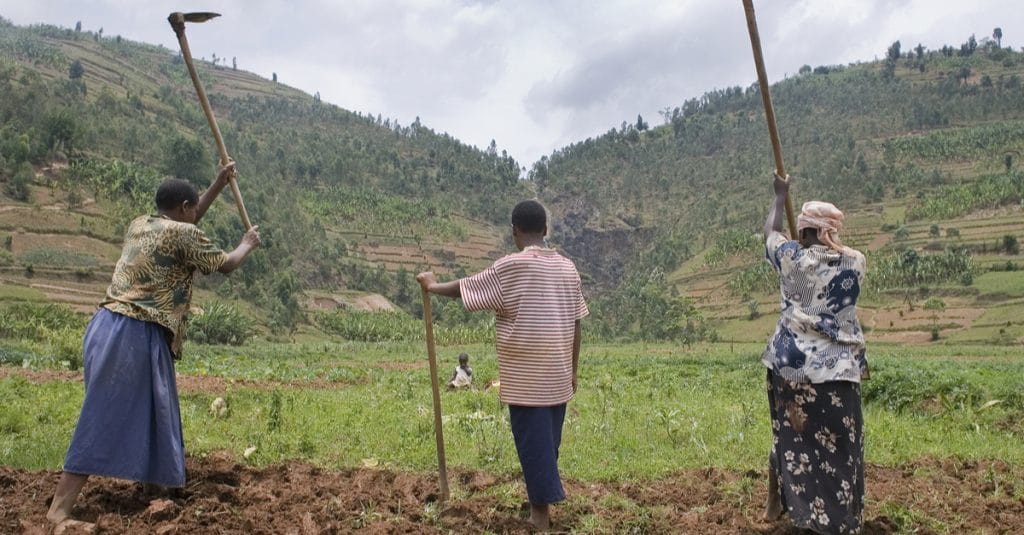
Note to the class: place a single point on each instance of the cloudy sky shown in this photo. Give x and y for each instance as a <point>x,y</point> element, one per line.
<point>534,75</point>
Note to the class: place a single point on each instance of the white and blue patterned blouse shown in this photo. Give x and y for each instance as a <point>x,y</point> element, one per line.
<point>818,338</point>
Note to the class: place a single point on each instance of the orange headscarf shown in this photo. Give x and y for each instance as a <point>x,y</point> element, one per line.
<point>826,219</point>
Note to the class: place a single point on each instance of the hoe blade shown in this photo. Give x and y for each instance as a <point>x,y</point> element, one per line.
<point>199,16</point>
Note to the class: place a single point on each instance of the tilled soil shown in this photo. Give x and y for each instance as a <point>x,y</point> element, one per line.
<point>222,496</point>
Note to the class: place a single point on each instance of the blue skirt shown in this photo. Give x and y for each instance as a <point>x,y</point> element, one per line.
<point>130,426</point>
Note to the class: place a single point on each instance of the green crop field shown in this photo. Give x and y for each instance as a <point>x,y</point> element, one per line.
<point>646,410</point>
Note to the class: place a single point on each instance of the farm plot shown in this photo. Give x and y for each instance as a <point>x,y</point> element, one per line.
<point>659,439</point>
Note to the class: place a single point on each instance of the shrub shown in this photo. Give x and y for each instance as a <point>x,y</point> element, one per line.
<point>757,278</point>
<point>220,323</point>
<point>400,327</point>
<point>17,187</point>
<point>370,326</point>
<point>38,322</point>
<point>1010,245</point>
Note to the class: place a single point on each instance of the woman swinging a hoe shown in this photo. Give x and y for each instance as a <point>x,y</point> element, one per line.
<point>815,362</point>
<point>130,424</point>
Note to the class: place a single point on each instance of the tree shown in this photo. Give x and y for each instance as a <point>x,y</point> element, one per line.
<point>902,234</point>
<point>641,125</point>
<point>185,158</point>
<point>76,70</point>
<point>969,47</point>
<point>17,187</point>
<point>806,69</point>
<point>1010,245</point>
<point>919,50</point>
<point>234,63</point>
<point>964,73</point>
<point>997,34</point>
<point>934,231</point>
<point>275,77</point>
<point>78,26</point>
<point>285,309</point>
<point>893,53</point>
<point>936,306</point>
<point>61,131</point>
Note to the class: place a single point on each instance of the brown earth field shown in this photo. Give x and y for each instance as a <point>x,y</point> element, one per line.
<point>223,496</point>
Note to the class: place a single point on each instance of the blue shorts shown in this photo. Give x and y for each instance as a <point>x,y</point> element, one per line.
<point>538,434</point>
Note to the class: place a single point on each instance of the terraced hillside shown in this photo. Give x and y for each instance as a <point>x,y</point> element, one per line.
<point>923,152</point>
<point>989,309</point>
<point>347,203</point>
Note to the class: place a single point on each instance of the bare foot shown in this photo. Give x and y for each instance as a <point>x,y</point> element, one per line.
<point>773,509</point>
<point>73,527</point>
<point>539,517</point>
<point>68,488</point>
<point>773,506</point>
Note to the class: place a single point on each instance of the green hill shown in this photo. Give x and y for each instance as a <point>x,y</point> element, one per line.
<point>922,151</point>
<point>344,201</point>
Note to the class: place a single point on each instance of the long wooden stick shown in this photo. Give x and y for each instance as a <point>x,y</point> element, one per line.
<point>178,23</point>
<point>769,110</point>
<point>428,321</point>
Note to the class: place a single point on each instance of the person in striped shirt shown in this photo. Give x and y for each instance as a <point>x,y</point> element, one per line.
<point>538,303</point>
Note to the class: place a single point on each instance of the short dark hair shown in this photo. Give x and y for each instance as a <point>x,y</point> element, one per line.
<point>530,217</point>
<point>463,357</point>
<point>174,191</point>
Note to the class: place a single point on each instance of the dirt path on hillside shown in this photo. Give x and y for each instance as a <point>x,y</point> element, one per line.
<point>222,496</point>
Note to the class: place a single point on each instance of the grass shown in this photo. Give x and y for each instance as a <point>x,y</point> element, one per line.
<point>644,410</point>
<point>1003,283</point>
<point>14,292</point>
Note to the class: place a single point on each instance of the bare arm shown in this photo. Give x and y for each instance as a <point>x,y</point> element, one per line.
<point>577,338</point>
<point>250,241</point>
<point>211,193</point>
<point>778,210</point>
<point>429,282</point>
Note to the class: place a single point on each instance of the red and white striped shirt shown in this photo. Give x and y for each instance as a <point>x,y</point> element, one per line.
<point>537,298</point>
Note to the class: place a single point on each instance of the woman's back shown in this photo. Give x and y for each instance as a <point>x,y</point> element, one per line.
<point>819,337</point>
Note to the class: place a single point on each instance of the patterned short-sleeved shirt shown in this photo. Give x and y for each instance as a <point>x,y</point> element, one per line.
<point>818,337</point>
<point>537,298</point>
<point>153,278</point>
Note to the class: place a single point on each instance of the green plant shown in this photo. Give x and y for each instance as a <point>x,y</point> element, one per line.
<point>220,323</point>
<point>18,185</point>
<point>38,322</point>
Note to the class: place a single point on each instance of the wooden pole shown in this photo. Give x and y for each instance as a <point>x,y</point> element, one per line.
<point>428,321</point>
<point>177,21</point>
<point>769,110</point>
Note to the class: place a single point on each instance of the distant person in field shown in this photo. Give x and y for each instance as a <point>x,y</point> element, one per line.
<point>462,377</point>
<point>130,424</point>
<point>538,304</point>
<point>815,362</point>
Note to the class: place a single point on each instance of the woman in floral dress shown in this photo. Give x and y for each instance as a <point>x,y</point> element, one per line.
<point>815,362</point>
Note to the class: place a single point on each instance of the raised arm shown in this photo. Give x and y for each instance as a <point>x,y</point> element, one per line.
<point>778,211</point>
<point>250,241</point>
<point>211,193</point>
